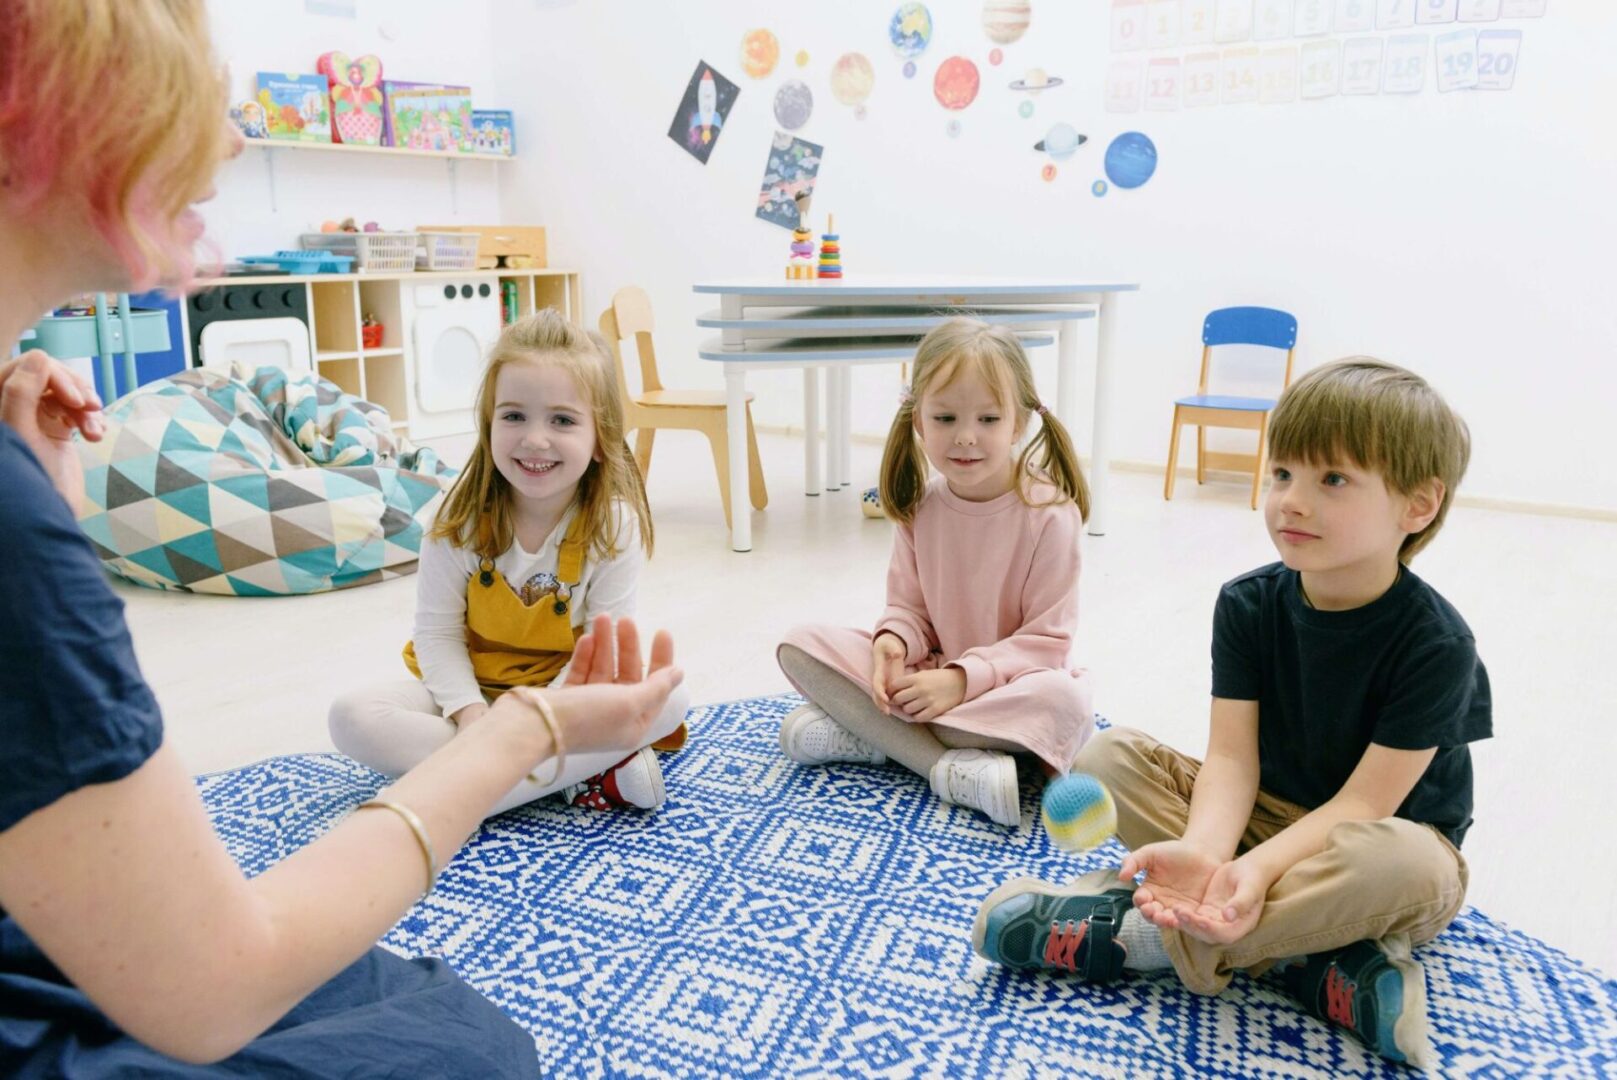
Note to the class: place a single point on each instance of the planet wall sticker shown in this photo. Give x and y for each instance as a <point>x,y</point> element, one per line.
<point>956,83</point>
<point>852,78</point>
<point>1035,80</point>
<point>910,30</point>
<point>1005,21</point>
<point>760,51</point>
<point>1061,141</point>
<point>1130,160</point>
<point>794,103</point>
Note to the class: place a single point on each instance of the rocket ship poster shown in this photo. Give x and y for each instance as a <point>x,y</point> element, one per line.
<point>702,112</point>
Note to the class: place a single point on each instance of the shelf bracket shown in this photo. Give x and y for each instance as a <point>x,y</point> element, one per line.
<point>269,171</point>
<point>454,187</point>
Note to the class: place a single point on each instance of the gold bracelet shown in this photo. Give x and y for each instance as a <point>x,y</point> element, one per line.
<point>420,830</point>
<point>536,700</point>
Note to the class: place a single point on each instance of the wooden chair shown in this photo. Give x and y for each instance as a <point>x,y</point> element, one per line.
<point>1232,326</point>
<point>655,407</point>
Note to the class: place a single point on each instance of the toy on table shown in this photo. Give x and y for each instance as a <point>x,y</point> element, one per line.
<point>830,250</point>
<point>347,225</point>
<point>800,263</point>
<point>1078,812</point>
<point>370,332</point>
<point>356,97</point>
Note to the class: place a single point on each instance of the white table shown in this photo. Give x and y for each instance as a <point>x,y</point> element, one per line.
<point>770,323</point>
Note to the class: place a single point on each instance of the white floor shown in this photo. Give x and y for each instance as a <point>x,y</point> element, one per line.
<point>243,679</point>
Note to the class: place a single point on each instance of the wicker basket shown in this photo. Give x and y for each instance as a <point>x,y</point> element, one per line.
<point>447,251</point>
<point>374,252</point>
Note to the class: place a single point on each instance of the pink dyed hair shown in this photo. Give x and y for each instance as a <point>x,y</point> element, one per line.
<point>64,65</point>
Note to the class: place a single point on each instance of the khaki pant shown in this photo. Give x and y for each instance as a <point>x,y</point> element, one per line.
<point>1372,880</point>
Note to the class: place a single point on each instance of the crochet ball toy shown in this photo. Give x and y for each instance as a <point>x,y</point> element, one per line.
<point>1078,812</point>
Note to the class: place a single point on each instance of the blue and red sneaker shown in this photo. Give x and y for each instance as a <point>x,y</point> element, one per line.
<point>1361,988</point>
<point>1029,923</point>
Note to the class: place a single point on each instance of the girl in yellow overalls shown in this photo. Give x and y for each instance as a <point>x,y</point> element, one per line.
<point>546,529</point>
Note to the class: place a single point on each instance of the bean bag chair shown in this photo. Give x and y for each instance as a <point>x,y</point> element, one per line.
<point>256,484</point>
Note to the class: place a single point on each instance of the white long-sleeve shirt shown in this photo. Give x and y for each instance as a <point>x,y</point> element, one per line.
<point>606,588</point>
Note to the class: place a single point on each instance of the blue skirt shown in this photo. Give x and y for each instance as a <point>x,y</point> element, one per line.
<point>382,1016</point>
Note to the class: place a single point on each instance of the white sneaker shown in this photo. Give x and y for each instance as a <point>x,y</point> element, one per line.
<point>984,780</point>
<point>809,737</point>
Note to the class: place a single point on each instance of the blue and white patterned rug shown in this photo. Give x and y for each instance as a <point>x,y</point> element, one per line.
<point>777,920</point>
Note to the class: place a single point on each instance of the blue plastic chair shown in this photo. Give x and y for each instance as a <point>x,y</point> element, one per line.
<point>1232,326</point>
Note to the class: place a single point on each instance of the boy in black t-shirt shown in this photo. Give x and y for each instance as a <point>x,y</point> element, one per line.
<point>1320,836</point>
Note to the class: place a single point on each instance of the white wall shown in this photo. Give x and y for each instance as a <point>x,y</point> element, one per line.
<point>426,42</point>
<point>1467,235</point>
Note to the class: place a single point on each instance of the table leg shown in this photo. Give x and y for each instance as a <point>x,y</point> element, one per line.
<point>1067,373</point>
<point>1100,454</point>
<point>833,425</point>
<point>735,415</point>
<point>811,430</point>
<point>845,449</point>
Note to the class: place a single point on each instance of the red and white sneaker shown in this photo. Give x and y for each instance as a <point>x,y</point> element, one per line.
<point>635,781</point>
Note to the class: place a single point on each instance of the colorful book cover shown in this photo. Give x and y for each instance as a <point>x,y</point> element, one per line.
<point>493,132</point>
<point>296,107</point>
<point>428,116</point>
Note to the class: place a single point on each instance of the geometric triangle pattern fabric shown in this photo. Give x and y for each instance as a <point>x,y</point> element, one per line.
<point>234,499</point>
<point>772,919</point>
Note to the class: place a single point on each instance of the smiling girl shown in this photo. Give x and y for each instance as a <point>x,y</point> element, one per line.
<point>545,530</point>
<point>969,663</point>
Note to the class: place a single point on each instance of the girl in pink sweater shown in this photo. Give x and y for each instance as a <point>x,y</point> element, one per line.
<point>968,665</point>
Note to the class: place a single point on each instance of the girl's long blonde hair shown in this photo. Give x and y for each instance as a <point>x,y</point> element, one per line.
<point>995,355</point>
<point>478,514</point>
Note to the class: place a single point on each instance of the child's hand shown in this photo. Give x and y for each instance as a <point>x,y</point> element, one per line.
<point>1177,876</point>
<point>1231,905</point>
<point>927,695</point>
<point>886,668</point>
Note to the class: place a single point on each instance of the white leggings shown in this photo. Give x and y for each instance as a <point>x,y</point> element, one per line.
<point>394,726</point>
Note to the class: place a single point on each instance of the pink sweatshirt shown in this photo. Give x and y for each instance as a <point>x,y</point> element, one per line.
<point>991,586</point>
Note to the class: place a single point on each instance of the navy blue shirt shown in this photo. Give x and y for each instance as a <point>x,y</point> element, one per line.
<point>74,709</point>
<point>1401,671</point>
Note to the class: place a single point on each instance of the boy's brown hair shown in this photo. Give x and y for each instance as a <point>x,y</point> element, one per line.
<point>1377,416</point>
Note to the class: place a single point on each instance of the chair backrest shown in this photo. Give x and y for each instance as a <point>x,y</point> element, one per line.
<point>1249,326</point>
<point>630,317</point>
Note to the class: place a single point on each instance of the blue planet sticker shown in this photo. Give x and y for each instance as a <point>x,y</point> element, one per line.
<point>1131,159</point>
<point>1061,141</point>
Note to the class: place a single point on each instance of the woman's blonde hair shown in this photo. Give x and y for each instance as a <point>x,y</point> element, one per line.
<point>66,70</point>
<point>1379,417</point>
<point>995,355</point>
<point>478,514</point>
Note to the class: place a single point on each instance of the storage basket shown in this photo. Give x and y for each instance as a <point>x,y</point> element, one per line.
<point>374,252</point>
<point>447,251</point>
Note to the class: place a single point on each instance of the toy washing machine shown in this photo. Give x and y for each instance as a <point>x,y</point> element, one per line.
<point>453,324</point>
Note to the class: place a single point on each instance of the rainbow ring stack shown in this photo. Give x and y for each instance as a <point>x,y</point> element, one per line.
<point>830,250</point>
<point>1078,812</point>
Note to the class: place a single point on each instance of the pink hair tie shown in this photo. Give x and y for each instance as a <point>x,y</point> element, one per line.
<point>906,396</point>
<point>1041,410</point>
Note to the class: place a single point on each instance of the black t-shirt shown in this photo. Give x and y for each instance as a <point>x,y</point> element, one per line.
<point>1401,672</point>
<point>74,709</point>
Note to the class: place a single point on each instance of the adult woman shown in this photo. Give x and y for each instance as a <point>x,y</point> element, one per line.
<point>128,936</point>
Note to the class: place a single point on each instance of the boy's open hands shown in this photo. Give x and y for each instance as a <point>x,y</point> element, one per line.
<point>1188,890</point>
<point>927,695</point>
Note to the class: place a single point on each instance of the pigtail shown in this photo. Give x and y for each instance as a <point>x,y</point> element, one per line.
<point>1049,456</point>
<point>903,468</point>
